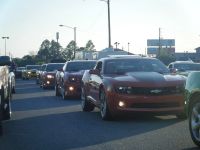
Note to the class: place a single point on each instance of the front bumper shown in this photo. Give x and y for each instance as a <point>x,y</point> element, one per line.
<point>73,89</point>
<point>49,83</point>
<point>165,104</point>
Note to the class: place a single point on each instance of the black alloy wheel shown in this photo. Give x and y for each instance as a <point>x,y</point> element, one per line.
<point>104,109</point>
<point>194,120</point>
<point>85,104</point>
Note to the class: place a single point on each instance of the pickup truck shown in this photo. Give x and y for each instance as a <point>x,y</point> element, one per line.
<point>5,90</point>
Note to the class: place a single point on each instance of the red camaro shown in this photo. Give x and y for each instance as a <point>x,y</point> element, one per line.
<point>68,81</point>
<point>132,84</point>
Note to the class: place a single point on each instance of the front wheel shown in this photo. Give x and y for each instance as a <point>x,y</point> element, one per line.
<point>194,120</point>
<point>85,104</point>
<point>64,96</point>
<point>56,90</point>
<point>7,111</point>
<point>13,89</point>
<point>104,108</point>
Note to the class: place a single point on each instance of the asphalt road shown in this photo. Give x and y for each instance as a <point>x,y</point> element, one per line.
<point>42,121</point>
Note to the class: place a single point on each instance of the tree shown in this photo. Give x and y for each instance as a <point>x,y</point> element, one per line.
<point>166,57</point>
<point>43,53</point>
<point>68,52</point>
<point>54,50</point>
<point>89,46</point>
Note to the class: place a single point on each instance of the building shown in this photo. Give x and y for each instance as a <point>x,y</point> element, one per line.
<point>189,56</point>
<point>95,55</point>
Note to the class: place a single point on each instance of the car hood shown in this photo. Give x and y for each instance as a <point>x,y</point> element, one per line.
<point>147,78</point>
<point>50,73</point>
<point>75,73</point>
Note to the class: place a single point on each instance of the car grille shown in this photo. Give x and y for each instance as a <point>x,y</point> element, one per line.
<point>75,79</point>
<point>157,91</point>
<point>155,105</point>
<point>152,91</point>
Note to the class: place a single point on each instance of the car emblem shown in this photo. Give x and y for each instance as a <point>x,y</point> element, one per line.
<point>156,91</point>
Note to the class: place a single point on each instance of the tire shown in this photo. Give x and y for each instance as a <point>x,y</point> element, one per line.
<point>104,109</point>
<point>37,81</point>
<point>7,111</point>
<point>194,120</point>
<point>85,104</point>
<point>57,91</point>
<point>44,87</point>
<point>64,96</point>
<point>13,90</point>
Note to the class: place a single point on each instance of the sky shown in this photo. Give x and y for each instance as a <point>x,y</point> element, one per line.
<point>28,23</point>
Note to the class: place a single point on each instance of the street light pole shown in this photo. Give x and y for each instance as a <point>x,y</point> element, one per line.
<point>128,47</point>
<point>5,37</point>
<point>109,30</point>
<point>74,28</point>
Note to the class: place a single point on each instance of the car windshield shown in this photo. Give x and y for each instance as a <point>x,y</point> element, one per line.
<point>187,67</point>
<point>121,66</point>
<point>33,67</point>
<point>77,66</point>
<point>54,67</point>
<point>20,68</point>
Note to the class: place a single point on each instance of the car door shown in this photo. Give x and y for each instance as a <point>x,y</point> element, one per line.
<point>95,81</point>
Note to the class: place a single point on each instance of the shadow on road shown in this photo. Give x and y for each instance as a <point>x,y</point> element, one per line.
<point>74,130</point>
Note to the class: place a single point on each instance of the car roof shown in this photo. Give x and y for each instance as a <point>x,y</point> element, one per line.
<point>126,57</point>
<point>182,62</point>
<point>81,61</point>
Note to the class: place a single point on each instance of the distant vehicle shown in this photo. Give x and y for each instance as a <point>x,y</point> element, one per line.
<point>30,71</point>
<point>18,72</point>
<point>5,90</point>
<point>192,96</point>
<point>48,75</point>
<point>39,72</point>
<point>132,84</point>
<point>68,80</point>
<point>183,67</point>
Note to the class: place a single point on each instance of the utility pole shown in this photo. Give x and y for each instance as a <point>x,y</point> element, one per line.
<point>57,36</point>
<point>109,28</point>
<point>5,37</point>
<point>109,32</point>
<point>128,47</point>
<point>74,28</point>
<point>159,47</point>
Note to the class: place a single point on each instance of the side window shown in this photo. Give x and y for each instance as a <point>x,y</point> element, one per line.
<point>99,66</point>
<point>170,66</point>
<point>65,67</point>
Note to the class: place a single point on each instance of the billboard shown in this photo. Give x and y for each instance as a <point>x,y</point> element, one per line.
<point>163,42</point>
<point>154,50</point>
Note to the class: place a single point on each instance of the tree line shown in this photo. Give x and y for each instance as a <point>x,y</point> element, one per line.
<point>52,51</point>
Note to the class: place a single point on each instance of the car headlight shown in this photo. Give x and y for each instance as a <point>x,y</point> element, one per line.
<point>124,89</point>
<point>50,76</point>
<point>29,72</point>
<point>72,79</point>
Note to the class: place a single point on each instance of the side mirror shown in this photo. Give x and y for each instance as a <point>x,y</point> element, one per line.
<point>5,60</point>
<point>94,71</point>
<point>173,70</point>
<point>60,69</point>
